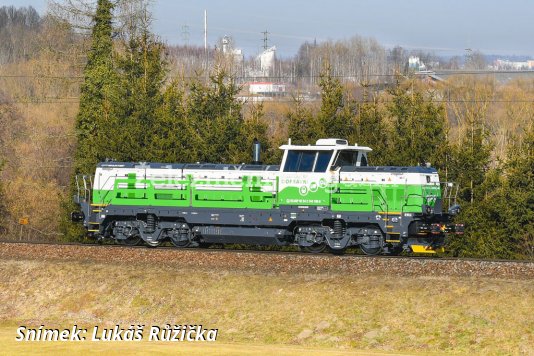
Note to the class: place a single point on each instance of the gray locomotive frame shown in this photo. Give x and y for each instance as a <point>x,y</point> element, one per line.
<point>288,225</point>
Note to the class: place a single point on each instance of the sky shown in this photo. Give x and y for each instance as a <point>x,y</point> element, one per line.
<point>445,27</point>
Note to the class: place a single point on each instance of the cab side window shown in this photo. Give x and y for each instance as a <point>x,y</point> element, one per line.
<point>346,158</point>
<point>307,161</point>
<point>363,161</point>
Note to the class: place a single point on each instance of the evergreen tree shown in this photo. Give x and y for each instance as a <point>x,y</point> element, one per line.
<point>173,138</point>
<point>333,120</point>
<point>519,194</point>
<point>335,116</point>
<point>301,128</point>
<point>137,102</point>
<point>471,159</point>
<point>419,130</point>
<point>216,118</point>
<point>371,130</point>
<point>95,91</point>
<point>95,103</point>
<point>254,127</point>
<point>485,234</point>
<point>499,220</point>
<point>215,129</point>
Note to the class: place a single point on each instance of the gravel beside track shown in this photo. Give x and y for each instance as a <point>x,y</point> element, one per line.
<point>269,262</point>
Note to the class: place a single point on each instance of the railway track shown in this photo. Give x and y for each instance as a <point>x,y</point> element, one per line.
<point>255,251</point>
<point>266,262</point>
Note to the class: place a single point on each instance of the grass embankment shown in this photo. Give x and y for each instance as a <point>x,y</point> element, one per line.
<point>302,311</point>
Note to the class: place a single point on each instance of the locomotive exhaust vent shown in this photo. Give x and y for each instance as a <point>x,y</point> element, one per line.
<point>256,148</point>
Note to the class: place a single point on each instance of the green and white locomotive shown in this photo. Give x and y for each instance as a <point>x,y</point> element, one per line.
<point>321,196</point>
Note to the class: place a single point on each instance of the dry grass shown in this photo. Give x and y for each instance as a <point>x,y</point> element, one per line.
<point>11,347</point>
<point>387,314</point>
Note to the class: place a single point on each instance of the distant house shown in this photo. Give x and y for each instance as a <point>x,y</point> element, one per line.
<point>504,64</point>
<point>267,89</point>
<point>416,63</point>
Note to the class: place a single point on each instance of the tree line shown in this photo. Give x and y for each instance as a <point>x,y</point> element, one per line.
<point>134,108</point>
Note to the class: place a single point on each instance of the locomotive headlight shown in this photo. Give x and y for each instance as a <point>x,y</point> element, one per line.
<point>428,209</point>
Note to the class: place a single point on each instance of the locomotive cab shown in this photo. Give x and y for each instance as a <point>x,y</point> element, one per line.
<point>307,172</point>
<point>327,154</point>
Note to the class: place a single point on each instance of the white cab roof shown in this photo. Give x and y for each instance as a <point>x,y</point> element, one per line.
<point>327,144</point>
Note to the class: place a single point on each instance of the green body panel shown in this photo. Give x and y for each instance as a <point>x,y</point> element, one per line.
<point>293,196</point>
<point>383,197</point>
<point>247,193</point>
<point>148,195</point>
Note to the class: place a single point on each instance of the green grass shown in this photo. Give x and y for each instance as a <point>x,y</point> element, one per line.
<point>300,312</point>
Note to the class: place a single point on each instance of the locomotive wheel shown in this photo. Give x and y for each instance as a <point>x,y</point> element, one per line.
<point>371,250</point>
<point>177,242</point>
<point>315,248</point>
<point>130,241</point>
<point>184,239</point>
<point>153,244</point>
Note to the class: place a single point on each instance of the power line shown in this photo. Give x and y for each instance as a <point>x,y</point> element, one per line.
<point>40,76</point>
<point>59,101</point>
<point>433,101</point>
<point>444,72</point>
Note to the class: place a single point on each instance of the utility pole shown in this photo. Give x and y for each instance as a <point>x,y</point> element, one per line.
<point>468,58</point>
<point>185,34</point>
<point>206,40</point>
<point>265,40</point>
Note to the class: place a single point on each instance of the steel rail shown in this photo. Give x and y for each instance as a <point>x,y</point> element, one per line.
<point>267,252</point>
